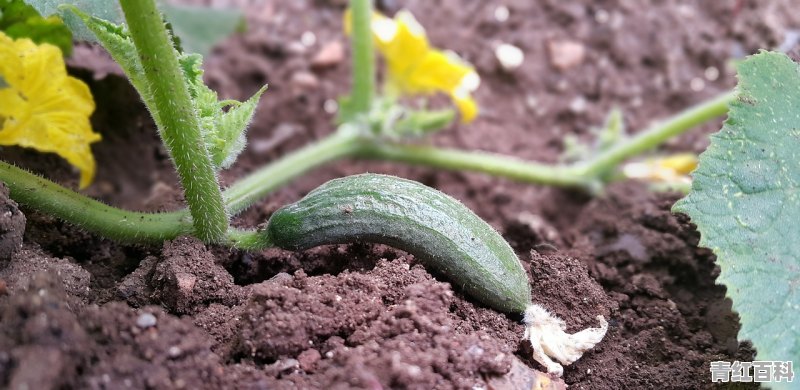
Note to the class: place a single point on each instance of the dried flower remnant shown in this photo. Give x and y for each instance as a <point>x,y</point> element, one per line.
<point>669,169</point>
<point>549,339</point>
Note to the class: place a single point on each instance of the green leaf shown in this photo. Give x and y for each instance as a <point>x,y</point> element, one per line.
<point>20,20</point>
<point>612,133</point>
<point>102,9</point>
<point>347,113</point>
<point>745,201</point>
<point>223,131</point>
<point>418,123</point>
<point>116,40</point>
<point>199,28</point>
<point>231,130</point>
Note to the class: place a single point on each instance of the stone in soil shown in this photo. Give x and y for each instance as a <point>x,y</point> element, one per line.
<point>12,225</point>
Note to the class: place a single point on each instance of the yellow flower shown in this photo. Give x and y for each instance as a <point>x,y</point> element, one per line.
<point>41,107</point>
<point>670,169</point>
<point>415,68</point>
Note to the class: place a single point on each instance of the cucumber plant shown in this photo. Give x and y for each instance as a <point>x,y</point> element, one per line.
<point>204,135</point>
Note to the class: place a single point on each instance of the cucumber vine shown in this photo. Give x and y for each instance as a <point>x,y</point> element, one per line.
<point>159,68</point>
<point>204,135</point>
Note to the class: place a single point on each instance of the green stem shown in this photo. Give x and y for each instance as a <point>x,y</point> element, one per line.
<point>127,226</point>
<point>255,186</point>
<point>247,239</point>
<point>582,174</point>
<point>131,226</point>
<point>179,125</point>
<point>122,225</point>
<point>493,164</point>
<point>657,134</point>
<point>363,56</point>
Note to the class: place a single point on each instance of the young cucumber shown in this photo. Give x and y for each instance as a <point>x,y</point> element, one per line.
<point>443,234</point>
<point>437,229</point>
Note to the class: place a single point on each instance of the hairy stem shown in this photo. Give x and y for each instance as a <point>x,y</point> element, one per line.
<point>126,226</point>
<point>178,122</point>
<point>255,186</point>
<point>586,174</point>
<point>363,56</point>
<point>493,164</point>
<point>129,226</point>
<point>248,239</point>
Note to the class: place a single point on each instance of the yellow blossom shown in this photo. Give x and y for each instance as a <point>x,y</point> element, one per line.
<point>669,169</point>
<point>41,107</point>
<point>414,67</point>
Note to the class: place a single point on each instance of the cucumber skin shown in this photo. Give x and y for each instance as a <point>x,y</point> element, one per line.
<point>436,228</point>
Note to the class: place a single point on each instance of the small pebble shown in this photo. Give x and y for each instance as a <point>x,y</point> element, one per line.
<point>186,282</point>
<point>565,54</point>
<point>509,56</point>
<point>501,13</point>
<point>711,73</point>
<point>475,350</point>
<point>308,359</point>
<point>296,48</point>
<point>308,38</point>
<point>146,320</point>
<point>531,101</point>
<point>280,277</point>
<point>697,84</point>
<point>331,54</point>
<point>174,351</point>
<point>283,132</point>
<point>601,16</point>
<point>330,106</point>
<point>304,81</point>
<point>283,365</point>
<point>578,105</point>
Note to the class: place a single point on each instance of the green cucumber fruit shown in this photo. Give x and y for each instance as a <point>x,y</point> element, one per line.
<point>436,228</point>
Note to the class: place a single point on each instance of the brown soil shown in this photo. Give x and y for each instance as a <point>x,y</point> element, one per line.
<point>78,311</point>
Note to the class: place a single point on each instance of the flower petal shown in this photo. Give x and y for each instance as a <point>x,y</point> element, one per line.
<point>415,68</point>
<point>467,107</point>
<point>44,108</point>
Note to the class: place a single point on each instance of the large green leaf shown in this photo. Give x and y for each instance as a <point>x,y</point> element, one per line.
<point>746,205</point>
<point>20,20</point>
<point>199,28</point>
<point>103,9</point>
